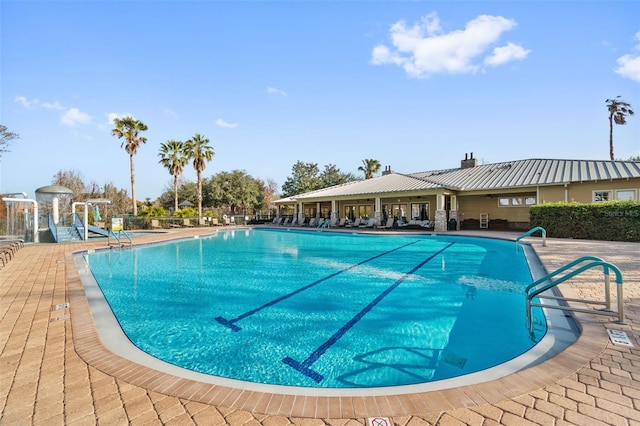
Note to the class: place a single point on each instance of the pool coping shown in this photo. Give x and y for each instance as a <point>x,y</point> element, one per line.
<point>591,342</point>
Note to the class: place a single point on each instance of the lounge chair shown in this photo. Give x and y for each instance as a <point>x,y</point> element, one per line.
<point>214,222</point>
<point>155,224</point>
<point>324,223</point>
<point>355,224</point>
<point>429,224</point>
<point>285,222</point>
<point>203,222</point>
<point>371,223</point>
<point>187,223</point>
<point>387,225</point>
<point>294,221</point>
<point>341,222</point>
<point>312,222</point>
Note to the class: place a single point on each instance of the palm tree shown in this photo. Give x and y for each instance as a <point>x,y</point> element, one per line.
<point>618,111</point>
<point>370,167</point>
<point>172,156</point>
<point>197,148</point>
<point>129,128</point>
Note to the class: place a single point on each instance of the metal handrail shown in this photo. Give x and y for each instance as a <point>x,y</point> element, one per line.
<point>117,237</point>
<point>78,225</point>
<point>531,231</point>
<point>52,227</point>
<point>535,289</point>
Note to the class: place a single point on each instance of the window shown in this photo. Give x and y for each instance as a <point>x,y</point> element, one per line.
<point>518,201</point>
<point>420,211</point>
<point>626,194</point>
<point>599,196</point>
<point>350,212</point>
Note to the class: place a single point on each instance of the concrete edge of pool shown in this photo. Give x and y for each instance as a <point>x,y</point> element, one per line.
<point>322,403</point>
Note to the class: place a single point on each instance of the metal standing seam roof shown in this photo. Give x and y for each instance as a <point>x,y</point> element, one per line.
<point>534,172</point>
<point>510,174</point>
<point>394,182</point>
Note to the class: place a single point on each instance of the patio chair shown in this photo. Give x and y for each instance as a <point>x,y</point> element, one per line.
<point>186,222</point>
<point>371,223</point>
<point>388,224</point>
<point>355,224</point>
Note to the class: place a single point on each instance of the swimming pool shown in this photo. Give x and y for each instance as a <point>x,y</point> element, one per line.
<point>322,310</point>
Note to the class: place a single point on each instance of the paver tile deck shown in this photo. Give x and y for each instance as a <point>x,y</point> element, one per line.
<point>54,369</point>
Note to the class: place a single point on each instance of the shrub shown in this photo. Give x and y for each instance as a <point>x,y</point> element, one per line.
<point>608,221</point>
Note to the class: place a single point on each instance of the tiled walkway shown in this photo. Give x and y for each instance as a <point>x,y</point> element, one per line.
<point>54,371</point>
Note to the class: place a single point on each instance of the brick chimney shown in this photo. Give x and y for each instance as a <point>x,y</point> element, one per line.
<point>468,162</point>
<point>387,170</point>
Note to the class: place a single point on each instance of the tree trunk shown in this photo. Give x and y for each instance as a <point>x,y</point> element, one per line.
<point>175,192</point>
<point>199,197</point>
<point>611,136</point>
<point>133,187</point>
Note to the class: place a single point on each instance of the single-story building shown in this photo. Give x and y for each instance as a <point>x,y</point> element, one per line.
<point>494,196</point>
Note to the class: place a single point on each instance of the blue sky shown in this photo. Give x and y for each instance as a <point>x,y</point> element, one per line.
<point>413,84</point>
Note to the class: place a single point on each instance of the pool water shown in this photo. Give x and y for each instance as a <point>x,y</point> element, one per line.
<point>327,310</point>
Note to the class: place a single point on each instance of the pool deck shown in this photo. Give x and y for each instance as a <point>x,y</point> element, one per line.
<point>55,371</point>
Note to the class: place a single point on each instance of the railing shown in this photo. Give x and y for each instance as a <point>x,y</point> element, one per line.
<point>52,227</point>
<point>536,288</point>
<point>531,231</point>
<point>78,225</point>
<point>118,239</point>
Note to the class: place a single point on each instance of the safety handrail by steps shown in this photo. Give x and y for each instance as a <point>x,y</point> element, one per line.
<point>531,231</point>
<point>52,227</point>
<point>118,238</point>
<point>537,287</point>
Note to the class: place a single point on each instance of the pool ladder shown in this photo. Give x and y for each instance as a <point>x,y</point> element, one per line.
<point>536,289</point>
<point>118,238</point>
<point>532,231</point>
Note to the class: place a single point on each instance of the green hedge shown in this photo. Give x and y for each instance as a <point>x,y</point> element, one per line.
<point>607,221</point>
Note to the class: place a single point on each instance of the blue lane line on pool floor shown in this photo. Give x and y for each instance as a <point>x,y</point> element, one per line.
<point>231,323</point>
<point>305,366</point>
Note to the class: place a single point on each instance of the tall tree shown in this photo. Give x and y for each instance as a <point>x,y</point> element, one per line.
<point>73,180</point>
<point>304,178</point>
<point>235,190</point>
<point>5,137</point>
<point>618,111</point>
<point>369,167</point>
<point>172,156</point>
<point>129,128</point>
<point>198,149</point>
<point>332,176</point>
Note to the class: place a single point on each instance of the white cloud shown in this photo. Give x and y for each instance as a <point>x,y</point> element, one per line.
<point>53,105</point>
<point>274,91</point>
<point>74,116</point>
<point>508,53</point>
<point>221,123</point>
<point>111,117</point>
<point>424,49</point>
<point>25,102</point>
<point>171,113</point>
<point>629,65</point>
